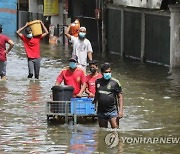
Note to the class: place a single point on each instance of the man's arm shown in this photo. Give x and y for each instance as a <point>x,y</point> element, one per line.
<point>121,104</point>
<point>44,28</point>
<point>89,50</point>
<point>59,79</point>
<point>87,88</point>
<point>96,94</point>
<point>20,29</point>
<point>67,32</point>
<point>83,87</point>
<point>11,44</point>
<point>57,83</point>
<point>95,101</point>
<point>89,93</point>
<point>90,55</point>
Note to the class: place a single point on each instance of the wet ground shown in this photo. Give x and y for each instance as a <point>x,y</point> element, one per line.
<point>152,105</point>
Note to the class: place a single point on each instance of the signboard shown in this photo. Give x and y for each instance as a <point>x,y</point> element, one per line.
<point>51,7</point>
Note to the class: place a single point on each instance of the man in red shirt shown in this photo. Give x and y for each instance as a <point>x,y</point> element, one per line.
<point>3,52</point>
<point>32,47</point>
<point>92,77</point>
<point>73,76</point>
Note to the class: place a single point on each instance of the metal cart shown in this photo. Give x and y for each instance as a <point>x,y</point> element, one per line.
<point>73,109</point>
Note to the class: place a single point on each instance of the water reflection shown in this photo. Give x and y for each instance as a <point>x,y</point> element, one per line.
<point>83,141</point>
<point>59,137</point>
<point>152,105</point>
<point>3,90</point>
<point>109,143</point>
<point>175,76</point>
<point>71,139</point>
<point>33,91</point>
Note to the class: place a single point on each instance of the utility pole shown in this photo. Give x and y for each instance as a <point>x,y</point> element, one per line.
<point>103,28</point>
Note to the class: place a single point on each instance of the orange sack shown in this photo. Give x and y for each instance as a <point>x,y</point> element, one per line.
<point>74,28</point>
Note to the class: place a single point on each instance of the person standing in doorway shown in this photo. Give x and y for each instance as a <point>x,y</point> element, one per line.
<point>3,52</point>
<point>32,47</point>
<point>92,77</point>
<point>81,47</point>
<point>108,98</point>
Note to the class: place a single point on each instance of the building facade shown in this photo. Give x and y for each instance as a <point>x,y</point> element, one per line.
<point>8,16</point>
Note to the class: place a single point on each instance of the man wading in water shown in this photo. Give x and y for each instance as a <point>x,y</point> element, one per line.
<point>109,98</point>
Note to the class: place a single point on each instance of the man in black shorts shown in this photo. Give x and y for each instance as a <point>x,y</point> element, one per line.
<point>109,98</point>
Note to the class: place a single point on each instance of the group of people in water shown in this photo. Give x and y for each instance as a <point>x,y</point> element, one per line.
<point>106,90</point>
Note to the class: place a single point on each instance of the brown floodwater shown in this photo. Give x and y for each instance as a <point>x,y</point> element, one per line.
<point>151,121</point>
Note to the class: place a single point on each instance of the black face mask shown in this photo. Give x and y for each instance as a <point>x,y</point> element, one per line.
<point>93,70</point>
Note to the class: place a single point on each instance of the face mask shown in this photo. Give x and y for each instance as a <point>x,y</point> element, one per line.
<point>107,76</point>
<point>72,65</point>
<point>92,69</point>
<point>82,34</point>
<point>29,35</point>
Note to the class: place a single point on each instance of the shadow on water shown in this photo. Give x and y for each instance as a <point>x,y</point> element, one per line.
<point>3,90</point>
<point>33,91</point>
<point>151,109</point>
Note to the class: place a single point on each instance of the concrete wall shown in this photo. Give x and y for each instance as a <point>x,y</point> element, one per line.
<point>140,3</point>
<point>8,16</point>
<point>138,33</point>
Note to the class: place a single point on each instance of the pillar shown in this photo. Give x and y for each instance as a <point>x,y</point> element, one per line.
<point>142,37</point>
<point>122,33</point>
<point>103,12</point>
<point>175,36</point>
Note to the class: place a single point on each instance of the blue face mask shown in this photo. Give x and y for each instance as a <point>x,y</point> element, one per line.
<point>72,65</point>
<point>29,35</point>
<point>82,34</point>
<point>107,76</point>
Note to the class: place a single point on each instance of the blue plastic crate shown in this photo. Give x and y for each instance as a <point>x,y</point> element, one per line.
<point>82,106</point>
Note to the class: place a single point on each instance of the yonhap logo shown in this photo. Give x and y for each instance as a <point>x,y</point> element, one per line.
<point>112,139</point>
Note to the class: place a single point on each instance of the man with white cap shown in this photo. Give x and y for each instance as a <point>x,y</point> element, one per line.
<point>81,47</point>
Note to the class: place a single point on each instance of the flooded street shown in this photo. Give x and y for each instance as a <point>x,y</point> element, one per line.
<point>151,108</point>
